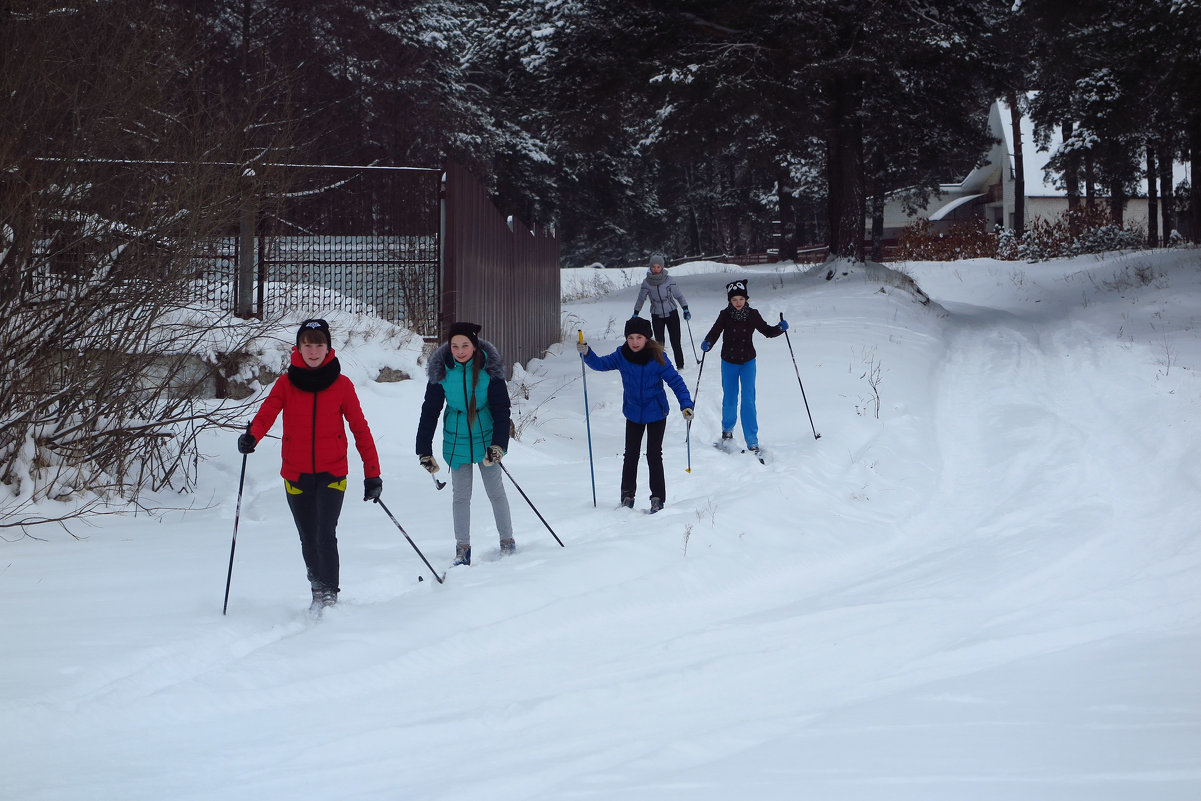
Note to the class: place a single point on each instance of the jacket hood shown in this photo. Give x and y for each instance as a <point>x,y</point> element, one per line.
<point>442,359</point>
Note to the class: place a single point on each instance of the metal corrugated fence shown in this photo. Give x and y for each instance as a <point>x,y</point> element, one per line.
<point>497,272</point>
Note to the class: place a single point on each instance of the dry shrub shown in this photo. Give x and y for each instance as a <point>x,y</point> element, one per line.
<point>1071,233</point>
<point>966,240</point>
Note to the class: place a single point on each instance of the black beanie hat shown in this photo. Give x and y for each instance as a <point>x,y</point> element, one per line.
<point>469,330</point>
<point>315,324</point>
<point>638,325</point>
<point>736,288</point>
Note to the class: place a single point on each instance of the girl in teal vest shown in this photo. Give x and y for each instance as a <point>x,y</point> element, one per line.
<point>467,379</point>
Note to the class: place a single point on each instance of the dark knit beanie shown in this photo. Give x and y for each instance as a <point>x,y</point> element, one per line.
<point>469,330</point>
<point>736,288</point>
<point>315,324</point>
<point>639,325</point>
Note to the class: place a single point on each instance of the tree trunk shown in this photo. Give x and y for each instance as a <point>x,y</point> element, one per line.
<point>1152,198</point>
<point>1194,144</point>
<point>785,229</point>
<point>1019,167</point>
<point>1071,182</point>
<point>1090,182</point>
<point>877,226</point>
<point>844,169</point>
<point>1117,202</point>
<point>1167,192</point>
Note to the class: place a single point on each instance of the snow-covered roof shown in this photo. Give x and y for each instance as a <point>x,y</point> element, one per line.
<point>1034,159</point>
<point>954,204</point>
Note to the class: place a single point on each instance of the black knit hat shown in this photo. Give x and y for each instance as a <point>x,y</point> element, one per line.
<point>736,288</point>
<point>639,325</point>
<point>469,330</point>
<point>315,324</point>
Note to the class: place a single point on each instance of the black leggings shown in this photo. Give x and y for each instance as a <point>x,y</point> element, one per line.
<point>654,458</point>
<point>316,503</point>
<point>672,322</point>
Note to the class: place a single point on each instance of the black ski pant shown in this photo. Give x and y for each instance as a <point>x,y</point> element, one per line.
<point>316,503</point>
<point>654,458</point>
<point>672,323</point>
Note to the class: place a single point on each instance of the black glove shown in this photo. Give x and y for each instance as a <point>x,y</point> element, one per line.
<point>495,454</point>
<point>429,463</point>
<point>246,443</point>
<point>372,487</point>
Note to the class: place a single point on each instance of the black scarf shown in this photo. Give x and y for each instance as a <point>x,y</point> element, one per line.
<point>315,380</point>
<point>640,357</point>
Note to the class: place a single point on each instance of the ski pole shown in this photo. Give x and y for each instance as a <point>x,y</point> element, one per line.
<point>531,503</point>
<point>688,445</point>
<point>697,391</point>
<point>692,341</point>
<point>700,370</point>
<point>798,380</point>
<point>410,539</point>
<point>587,423</point>
<point>234,544</point>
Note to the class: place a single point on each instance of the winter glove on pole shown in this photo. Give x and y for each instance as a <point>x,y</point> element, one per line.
<point>429,463</point>
<point>705,346</point>
<point>687,414</point>
<point>687,314</point>
<point>372,487</point>
<point>783,324</point>
<point>246,442</point>
<point>494,455</point>
<point>582,347</point>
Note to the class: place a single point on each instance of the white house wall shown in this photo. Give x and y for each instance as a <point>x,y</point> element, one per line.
<point>1043,198</point>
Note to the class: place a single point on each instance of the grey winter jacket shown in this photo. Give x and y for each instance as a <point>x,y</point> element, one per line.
<point>663,292</point>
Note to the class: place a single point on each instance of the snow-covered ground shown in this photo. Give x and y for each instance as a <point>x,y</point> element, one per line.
<point>981,582</point>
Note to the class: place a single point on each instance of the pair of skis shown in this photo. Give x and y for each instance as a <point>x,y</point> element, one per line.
<point>727,446</point>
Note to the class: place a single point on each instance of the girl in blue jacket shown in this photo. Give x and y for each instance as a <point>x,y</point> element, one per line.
<point>467,379</point>
<point>644,370</point>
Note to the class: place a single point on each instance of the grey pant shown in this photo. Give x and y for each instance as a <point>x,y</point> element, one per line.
<point>460,487</point>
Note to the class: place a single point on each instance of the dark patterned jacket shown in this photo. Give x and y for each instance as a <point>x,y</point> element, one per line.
<point>737,347</point>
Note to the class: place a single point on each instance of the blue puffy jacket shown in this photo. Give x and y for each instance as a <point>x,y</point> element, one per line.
<point>643,399</point>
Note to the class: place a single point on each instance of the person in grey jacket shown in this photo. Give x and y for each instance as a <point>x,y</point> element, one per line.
<point>664,295</point>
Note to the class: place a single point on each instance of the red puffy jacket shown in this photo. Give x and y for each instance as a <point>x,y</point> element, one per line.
<point>314,438</point>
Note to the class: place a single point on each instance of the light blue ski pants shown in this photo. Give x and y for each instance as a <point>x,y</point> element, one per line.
<point>734,376</point>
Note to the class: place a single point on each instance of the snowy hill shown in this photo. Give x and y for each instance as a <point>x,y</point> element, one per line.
<point>979,583</point>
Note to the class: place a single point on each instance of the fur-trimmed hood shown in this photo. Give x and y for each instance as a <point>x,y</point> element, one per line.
<point>442,358</point>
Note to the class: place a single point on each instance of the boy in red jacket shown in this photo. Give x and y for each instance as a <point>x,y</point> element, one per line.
<point>314,397</point>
